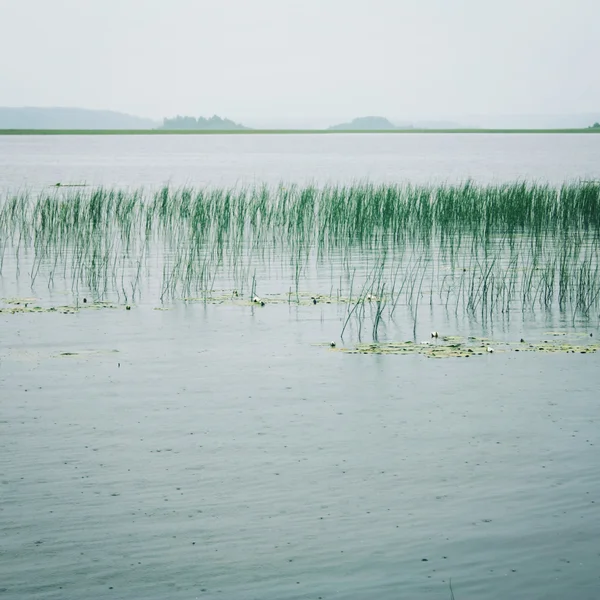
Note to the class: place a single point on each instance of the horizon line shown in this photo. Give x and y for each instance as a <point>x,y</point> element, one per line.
<point>280,131</point>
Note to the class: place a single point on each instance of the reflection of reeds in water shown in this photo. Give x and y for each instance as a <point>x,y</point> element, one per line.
<point>481,249</point>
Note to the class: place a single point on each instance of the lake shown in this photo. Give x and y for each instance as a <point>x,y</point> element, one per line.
<point>164,435</point>
<point>228,160</point>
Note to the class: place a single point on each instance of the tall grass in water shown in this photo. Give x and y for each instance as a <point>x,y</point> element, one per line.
<point>481,249</point>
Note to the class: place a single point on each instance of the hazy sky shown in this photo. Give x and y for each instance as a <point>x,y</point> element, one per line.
<point>303,58</point>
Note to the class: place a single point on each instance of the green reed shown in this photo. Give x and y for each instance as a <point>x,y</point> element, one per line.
<point>478,248</point>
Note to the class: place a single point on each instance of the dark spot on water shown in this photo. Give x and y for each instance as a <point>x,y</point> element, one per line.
<point>424,560</point>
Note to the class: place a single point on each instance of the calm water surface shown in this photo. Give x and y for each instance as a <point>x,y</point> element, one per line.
<point>221,452</point>
<point>39,161</point>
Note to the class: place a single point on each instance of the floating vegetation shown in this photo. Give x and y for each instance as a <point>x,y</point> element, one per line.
<point>457,347</point>
<point>471,249</point>
<point>18,301</point>
<point>69,185</point>
<point>85,353</point>
<point>26,305</point>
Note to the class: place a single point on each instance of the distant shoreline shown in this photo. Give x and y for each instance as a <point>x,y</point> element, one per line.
<point>13,132</point>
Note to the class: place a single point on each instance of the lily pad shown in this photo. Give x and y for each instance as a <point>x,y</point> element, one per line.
<point>457,347</point>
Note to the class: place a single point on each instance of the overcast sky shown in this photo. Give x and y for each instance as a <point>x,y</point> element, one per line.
<point>261,59</point>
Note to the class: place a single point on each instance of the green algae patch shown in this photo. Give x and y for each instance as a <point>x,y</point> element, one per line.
<point>552,347</point>
<point>429,350</point>
<point>96,306</point>
<point>14,310</point>
<point>456,347</point>
<point>17,301</point>
<point>297,299</point>
<point>573,334</point>
<point>25,306</point>
<point>19,305</point>
<point>219,297</point>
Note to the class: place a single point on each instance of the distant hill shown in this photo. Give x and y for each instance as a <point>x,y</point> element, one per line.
<point>69,118</point>
<point>362,123</point>
<point>215,123</point>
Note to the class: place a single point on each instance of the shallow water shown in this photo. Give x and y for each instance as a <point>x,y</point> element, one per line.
<point>228,454</point>
<point>226,451</point>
